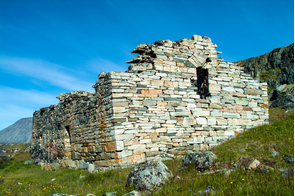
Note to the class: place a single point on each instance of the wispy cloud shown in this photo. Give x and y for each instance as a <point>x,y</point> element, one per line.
<point>45,71</point>
<point>19,103</point>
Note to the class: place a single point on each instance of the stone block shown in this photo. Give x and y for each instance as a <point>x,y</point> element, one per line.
<point>124,137</point>
<point>214,87</point>
<point>102,163</point>
<point>152,91</point>
<point>184,113</point>
<point>253,91</point>
<point>231,115</point>
<point>201,113</point>
<point>119,145</point>
<point>201,121</point>
<point>245,122</point>
<point>242,102</point>
<point>118,110</point>
<point>221,121</point>
<point>157,83</point>
<point>143,141</point>
<point>211,121</point>
<point>149,102</point>
<point>188,121</point>
<point>234,122</point>
<point>136,146</point>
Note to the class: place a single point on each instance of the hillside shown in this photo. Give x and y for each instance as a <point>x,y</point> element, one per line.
<point>277,69</point>
<point>19,132</point>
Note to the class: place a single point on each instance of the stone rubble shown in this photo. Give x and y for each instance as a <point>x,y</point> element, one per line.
<point>176,97</point>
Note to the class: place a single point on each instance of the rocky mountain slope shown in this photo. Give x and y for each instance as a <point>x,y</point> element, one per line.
<point>19,132</point>
<point>277,69</point>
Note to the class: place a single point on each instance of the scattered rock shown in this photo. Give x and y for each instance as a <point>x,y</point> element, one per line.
<point>202,160</point>
<point>254,164</point>
<point>148,175</point>
<point>264,168</point>
<point>110,194</point>
<point>55,166</point>
<point>288,159</point>
<point>28,162</point>
<point>60,194</point>
<point>133,193</point>
<point>37,161</point>
<point>90,194</point>
<point>275,153</point>
<point>287,171</point>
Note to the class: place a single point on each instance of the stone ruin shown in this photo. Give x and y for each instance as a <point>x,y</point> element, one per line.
<point>176,97</point>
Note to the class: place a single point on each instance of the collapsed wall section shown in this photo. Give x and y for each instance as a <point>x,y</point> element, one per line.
<point>78,127</point>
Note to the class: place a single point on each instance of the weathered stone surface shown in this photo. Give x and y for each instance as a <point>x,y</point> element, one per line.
<point>173,97</point>
<point>202,160</point>
<point>133,193</point>
<point>149,175</point>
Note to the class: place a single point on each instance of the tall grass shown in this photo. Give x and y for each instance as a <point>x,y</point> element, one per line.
<point>19,179</point>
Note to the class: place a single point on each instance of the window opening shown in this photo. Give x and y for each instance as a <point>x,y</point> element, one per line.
<point>202,83</point>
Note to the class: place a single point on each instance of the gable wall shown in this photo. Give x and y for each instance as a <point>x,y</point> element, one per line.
<point>155,109</point>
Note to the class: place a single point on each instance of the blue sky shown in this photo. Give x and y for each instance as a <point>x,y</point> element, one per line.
<point>52,47</point>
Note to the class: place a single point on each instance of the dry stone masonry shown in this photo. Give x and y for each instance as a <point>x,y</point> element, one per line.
<point>176,97</point>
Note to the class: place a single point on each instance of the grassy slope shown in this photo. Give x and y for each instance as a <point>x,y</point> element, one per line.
<point>255,143</point>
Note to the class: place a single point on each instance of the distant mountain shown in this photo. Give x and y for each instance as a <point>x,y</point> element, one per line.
<point>19,132</point>
<point>277,69</point>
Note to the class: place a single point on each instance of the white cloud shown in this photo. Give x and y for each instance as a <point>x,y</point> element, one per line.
<point>44,71</point>
<point>18,103</point>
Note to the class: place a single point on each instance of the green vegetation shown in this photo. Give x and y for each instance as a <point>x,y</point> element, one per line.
<point>19,179</point>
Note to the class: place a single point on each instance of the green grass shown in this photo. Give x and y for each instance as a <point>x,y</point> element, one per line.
<point>254,143</point>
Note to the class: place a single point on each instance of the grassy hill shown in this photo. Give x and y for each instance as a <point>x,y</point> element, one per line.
<point>19,179</point>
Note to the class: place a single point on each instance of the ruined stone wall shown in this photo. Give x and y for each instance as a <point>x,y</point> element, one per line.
<point>175,97</point>
<point>78,127</point>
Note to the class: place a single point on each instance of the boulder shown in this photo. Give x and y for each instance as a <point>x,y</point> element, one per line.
<point>201,160</point>
<point>149,175</point>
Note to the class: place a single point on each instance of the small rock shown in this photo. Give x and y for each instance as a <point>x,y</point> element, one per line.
<point>288,159</point>
<point>235,165</point>
<point>60,194</point>
<point>90,194</point>
<point>264,168</point>
<point>275,153</point>
<point>254,164</point>
<point>133,193</point>
<point>110,194</point>
<point>28,162</point>
<point>91,168</point>
<point>227,172</point>
<point>55,166</point>
<point>287,171</point>
<point>202,160</point>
